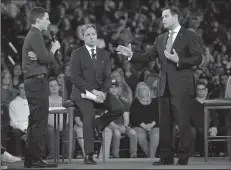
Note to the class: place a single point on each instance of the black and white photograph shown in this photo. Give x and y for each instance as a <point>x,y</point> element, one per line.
<point>115,84</point>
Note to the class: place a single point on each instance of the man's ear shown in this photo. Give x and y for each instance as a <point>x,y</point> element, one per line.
<point>38,20</point>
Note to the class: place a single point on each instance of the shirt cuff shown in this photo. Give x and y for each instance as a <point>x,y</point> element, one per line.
<point>130,57</point>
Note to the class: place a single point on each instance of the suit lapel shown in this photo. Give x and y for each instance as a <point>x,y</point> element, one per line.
<point>177,43</point>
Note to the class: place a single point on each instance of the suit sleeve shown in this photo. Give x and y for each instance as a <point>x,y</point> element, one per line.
<point>38,45</point>
<point>107,75</point>
<point>75,70</point>
<point>195,51</point>
<point>150,55</point>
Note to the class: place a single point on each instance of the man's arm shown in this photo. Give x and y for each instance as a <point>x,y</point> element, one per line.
<point>38,45</point>
<point>195,51</point>
<point>75,71</point>
<point>107,75</point>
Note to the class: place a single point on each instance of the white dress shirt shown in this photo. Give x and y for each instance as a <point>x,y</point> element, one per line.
<point>176,30</point>
<point>19,112</point>
<point>89,50</point>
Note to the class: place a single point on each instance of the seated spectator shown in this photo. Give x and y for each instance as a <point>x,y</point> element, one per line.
<point>197,117</point>
<point>8,93</point>
<point>144,117</point>
<point>152,81</point>
<point>19,112</point>
<point>126,92</point>
<point>144,73</point>
<point>17,75</point>
<point>56,101</point>
<point>120,126</point>
<point>60,80</point>
<point>130,75</point>
<point>78,127</point>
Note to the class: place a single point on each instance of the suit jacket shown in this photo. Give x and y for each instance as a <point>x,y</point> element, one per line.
<point>84,76</point>
<point>180,78</point>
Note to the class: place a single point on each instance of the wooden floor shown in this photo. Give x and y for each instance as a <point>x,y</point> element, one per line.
<point>138,163</point>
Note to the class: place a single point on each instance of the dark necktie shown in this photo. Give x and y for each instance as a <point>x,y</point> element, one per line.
<point>169,42</point>
<point>93,56</point>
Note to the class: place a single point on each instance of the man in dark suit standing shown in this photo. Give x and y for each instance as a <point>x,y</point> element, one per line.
<point>35,59</point>
<point>178,50</point>
<point>90,70</point>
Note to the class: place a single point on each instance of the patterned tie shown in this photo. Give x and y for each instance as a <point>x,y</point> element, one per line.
<point>93,55</point>
<point>170,42</point>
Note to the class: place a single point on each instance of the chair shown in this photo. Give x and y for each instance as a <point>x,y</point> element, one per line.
<point>208,105</point>
<point>70,106</point>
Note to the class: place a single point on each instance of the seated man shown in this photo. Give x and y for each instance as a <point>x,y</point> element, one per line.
<point>56,101</point>
<point>120,126</point>
<point>197,116</point>
<point>19,112</point>
<point>91,71</point>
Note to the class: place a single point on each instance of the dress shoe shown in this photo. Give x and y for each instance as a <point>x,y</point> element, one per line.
<point>182,161</point>
<point>39,163</point>
<point>89,160</point>
<point>165,161</point>
<point>98,134</point>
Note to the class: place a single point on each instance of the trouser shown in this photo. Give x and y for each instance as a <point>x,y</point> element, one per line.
<point>37,93</point>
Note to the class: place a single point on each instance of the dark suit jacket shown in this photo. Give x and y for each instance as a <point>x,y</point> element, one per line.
<point>180,78</point>
<point>83,75</point>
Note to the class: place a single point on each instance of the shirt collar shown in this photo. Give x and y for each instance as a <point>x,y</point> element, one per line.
<point>176,30</point>
<point>89,48</point>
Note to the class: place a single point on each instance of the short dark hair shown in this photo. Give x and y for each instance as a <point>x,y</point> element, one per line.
<point>36,12</point>
<point>199,82</point>
<point>173,9</point>
<point>52,79</point>
<point>85,27</point>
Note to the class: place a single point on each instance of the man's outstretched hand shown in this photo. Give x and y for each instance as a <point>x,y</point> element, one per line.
<point>126,51</point>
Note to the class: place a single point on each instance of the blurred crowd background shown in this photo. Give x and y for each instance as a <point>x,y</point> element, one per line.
<point>118,22</point>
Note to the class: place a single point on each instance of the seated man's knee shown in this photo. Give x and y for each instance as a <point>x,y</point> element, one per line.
<point>107,131</point>
<point>117,133</point>
<point>132,133</point>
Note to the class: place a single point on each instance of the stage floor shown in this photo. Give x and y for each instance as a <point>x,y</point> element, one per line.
<point>138,163</point>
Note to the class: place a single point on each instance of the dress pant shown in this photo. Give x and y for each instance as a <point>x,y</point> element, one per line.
<point>37,94</point>
<point>17,133</point>
<point>174,109</point>
<point>87,109</point>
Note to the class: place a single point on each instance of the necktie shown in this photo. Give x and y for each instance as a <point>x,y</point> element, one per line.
<point>169,42</point>
<point>93,55</point>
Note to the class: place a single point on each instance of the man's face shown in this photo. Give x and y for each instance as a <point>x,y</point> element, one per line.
<point>90,37</point>
<point>21,90</point>
<point>44,22</point>
<point>168,19</point>
<point>224,80</point>
<point>201,91</point>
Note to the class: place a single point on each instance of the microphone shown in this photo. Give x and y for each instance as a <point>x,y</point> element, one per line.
<point>53,37</point>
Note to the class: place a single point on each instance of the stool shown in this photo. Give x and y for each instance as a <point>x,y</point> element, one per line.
<point>213,104</point>
<point>64,112</point>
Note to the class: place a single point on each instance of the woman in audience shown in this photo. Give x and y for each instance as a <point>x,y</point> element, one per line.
<point>55,101</point>
<point>152,82</point>
<point>144,118</point>
<point>126,92</point>
<point>8,93</point>
<point>60,80</point>
<point>144,73</point>
<point>17,75</point>
<point>130,75</point>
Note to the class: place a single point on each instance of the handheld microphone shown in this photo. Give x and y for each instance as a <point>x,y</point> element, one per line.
<point>53,36</point>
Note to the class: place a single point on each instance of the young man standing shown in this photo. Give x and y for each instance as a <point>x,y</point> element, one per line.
<point>35,58</point>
